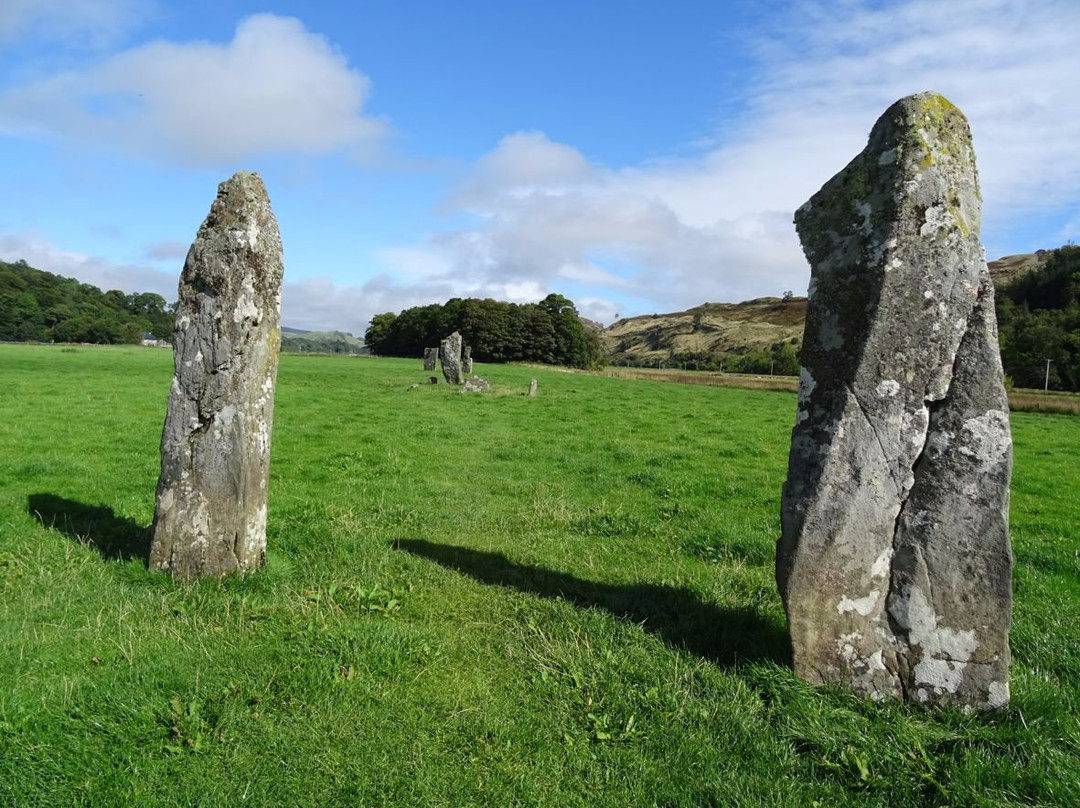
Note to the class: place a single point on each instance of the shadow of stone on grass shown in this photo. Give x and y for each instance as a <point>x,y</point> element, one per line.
<point>676,615</point>
<point>114,537</point>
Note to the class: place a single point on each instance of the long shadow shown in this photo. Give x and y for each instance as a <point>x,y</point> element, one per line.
<point>114,537</point>
<point>676,615</point>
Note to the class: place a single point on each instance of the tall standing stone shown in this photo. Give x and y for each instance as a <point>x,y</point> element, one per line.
<point>430,357</point>
<point>466,359</point>
<point>210,514</point>
<point>894,561</point>
<point>450,358</point>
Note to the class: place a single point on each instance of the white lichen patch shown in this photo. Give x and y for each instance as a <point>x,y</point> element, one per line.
<point>937,444</point>
<point>887,388</point>
<point>940,675</point>
<point>986,439</point>
<point>807,385</point>
<point>945,651</point>
<point>862,606</point>
<point>937,218</point>
<point>864,209</point>
<point>880,567</point>
<point>997,695</point>
<point>245,303</point>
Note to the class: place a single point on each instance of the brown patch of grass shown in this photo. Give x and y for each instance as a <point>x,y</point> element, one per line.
<point>748,382</point>
<point>1039,401</point>
<point>1019,400</point>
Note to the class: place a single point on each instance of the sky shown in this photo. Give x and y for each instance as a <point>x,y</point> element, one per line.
<point>637,157</point>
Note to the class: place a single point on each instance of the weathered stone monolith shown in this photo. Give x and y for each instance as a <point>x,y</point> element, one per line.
<point>532,388</point>
<point>466,359</point>
<point>894,561</point>
<point>431,355</point>
<point>210,514</point>
<point>450,358</point>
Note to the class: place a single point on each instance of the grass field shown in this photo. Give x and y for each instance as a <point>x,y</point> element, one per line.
<point>475,600</point>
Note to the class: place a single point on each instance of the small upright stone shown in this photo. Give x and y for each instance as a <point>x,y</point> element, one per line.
<point>431,355</point>
<point>466,359</point>
<point>210,510</point>
<point>450,357</point>
<point>532,388</point>
<point>894,561</point>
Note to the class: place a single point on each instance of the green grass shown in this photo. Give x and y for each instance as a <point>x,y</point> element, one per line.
<point>474,600</point>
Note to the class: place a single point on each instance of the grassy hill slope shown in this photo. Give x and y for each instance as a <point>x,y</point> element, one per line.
<point>713,333</point>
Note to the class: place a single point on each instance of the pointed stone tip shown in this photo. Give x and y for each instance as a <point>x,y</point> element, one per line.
<point>243,179</point>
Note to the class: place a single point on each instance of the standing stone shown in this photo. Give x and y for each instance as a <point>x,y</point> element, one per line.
<point>430,355</point>
<point>466,360</point>
<point>210,513</point>
<point>532,388</point>
<point>450,357</point>
<point>894,561</point>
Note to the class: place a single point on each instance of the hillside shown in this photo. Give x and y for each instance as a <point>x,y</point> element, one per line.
<point>755,336</point>
<point>706,335</point>
<point>322,342</point>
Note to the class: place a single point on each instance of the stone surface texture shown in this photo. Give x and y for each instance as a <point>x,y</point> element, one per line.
<point>476,385</point>
<point>210,512</point>
<point>431,355</point>
<point>894,561</point>
<point>450,358</point>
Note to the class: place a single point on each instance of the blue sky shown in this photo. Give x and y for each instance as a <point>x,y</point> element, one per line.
<point>637,157</point>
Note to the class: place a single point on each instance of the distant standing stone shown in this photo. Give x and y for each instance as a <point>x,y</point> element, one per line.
<point>450,357</point>
<point>532,388</point>
<point>210,511</point>
<point>466,360</point>
<point>430,357</point>
<point>894,561</point>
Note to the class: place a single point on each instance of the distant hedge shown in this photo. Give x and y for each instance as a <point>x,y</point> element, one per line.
<point>550,331</point>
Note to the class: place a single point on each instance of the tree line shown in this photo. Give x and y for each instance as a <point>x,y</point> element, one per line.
<point>1039,319</point>
<point>550,332</point>
<point>37,306</point>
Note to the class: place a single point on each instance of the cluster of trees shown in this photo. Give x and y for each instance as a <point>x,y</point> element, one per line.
<point>1039,320</point>
<point>42,307</point>
<point>549,331</point>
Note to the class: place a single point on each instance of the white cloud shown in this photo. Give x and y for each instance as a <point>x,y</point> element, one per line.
<point>276,87</point>
<point>166,251</point>
<point>40,254</point>
<point>717,227</point>
<point>101,21</point>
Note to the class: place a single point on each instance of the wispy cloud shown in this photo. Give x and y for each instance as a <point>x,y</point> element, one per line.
<point>661,235</point>
<point>674,233</point>
<point>100,21</point>
<point>166,251</point>
<point>276,87</point>
<point>40,254</point>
